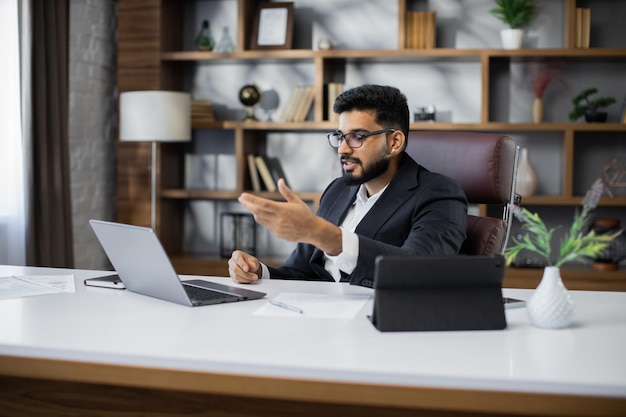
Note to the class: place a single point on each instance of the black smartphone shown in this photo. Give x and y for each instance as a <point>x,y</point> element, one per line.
<point>110,281</point>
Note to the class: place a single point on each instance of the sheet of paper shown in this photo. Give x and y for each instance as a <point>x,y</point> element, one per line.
<point>315,305</point>
<point>31,285</point>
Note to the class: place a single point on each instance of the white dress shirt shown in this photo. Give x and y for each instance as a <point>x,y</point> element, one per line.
<point>347,259</point>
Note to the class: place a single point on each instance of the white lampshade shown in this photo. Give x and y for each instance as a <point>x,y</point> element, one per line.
<point>162,116</point>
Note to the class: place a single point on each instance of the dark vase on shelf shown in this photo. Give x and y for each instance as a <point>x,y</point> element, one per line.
<point>596,116</point>
<point>205,40</point>
<point>611,257</point>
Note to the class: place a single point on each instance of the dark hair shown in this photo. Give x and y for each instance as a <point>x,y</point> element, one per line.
<point>388,103</point>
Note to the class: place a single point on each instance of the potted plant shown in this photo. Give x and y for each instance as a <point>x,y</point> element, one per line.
<point>551,305</point>
<point>583,105</point>
<point>517,14</point>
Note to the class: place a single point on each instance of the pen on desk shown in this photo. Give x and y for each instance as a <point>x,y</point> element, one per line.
<point>286,306</point>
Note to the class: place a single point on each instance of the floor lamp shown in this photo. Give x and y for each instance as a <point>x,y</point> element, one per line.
<point>155,116</point>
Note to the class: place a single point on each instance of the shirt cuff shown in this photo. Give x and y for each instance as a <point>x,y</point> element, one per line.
<point>265,272</point>
<point>347,259</point>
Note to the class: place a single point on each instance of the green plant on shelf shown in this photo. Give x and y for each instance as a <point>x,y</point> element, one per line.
<point>517,14</point>
<point>584,105</point>
<point>576,245</point>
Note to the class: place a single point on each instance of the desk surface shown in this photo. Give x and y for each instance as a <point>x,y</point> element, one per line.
<point>118,327</point>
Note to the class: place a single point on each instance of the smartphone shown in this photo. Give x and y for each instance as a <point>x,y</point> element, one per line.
<point>513,303</point>
<point>110,281</point>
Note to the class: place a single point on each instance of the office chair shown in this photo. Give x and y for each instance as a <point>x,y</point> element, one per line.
<point>485,166</point>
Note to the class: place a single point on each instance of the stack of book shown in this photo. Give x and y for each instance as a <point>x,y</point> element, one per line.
<point>583,26</point>
<point>299,104</point>
<point>421,29</point>
<point>265,172</point>
<point>332,91</point>
<point>202,111</point>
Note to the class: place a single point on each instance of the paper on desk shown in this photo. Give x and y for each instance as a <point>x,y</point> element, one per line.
<point>337,306</point>
<point>31,285</point>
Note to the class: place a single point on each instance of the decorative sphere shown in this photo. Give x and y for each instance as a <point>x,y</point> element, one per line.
<point>249,95</point>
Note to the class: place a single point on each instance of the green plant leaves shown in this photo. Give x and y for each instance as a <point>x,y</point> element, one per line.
<point>575,246</point>
<point>516,13</point>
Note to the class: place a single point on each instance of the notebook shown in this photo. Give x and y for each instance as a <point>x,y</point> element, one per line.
<point>141,262</point>
<point>430,293</point>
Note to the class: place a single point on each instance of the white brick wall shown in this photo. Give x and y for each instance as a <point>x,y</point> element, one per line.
<point>93,123</point>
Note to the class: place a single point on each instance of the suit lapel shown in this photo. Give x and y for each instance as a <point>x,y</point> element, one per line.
<point>401,188</point>
<point>335,214</point>
<point>339,208</point>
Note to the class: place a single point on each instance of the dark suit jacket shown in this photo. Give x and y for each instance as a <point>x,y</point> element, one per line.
<point>420,213</point>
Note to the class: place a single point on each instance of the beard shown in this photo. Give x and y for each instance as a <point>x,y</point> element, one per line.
<point>375,169</point>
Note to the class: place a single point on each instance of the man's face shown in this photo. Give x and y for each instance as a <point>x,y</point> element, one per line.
<point>371,160</point>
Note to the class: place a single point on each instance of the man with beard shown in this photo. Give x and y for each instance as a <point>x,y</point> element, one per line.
<point>384,203</point>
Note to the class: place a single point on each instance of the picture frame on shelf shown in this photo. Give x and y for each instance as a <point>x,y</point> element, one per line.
<point>273,26</point>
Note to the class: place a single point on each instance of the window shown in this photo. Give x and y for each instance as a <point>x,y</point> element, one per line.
<point>12,190</point>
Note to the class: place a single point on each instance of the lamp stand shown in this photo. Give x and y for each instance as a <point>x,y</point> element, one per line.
<point>153,180</point>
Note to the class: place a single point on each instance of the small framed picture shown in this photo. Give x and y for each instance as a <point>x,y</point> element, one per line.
<point>273,26</point>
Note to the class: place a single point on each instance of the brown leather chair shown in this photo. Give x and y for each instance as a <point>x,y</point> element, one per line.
<point>485,166</point>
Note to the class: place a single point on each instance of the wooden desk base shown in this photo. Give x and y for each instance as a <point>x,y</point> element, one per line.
<point>62,388</point>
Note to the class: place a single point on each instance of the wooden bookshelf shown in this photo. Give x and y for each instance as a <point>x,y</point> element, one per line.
<point>151,56</point>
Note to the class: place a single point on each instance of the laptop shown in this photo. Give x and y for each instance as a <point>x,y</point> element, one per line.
<point>430,293</point>
<point>141,262</point>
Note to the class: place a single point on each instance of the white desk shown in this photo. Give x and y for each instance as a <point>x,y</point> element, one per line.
<point>225,354</point>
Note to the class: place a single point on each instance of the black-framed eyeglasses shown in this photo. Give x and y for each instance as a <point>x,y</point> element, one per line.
<point>353,140</point>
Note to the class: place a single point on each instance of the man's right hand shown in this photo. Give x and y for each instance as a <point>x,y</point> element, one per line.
<point>243,267</point>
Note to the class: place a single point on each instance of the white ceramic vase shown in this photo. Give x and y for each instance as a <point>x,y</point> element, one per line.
<point>551,306</point>
<point>512,38</point>
<point>526,182</point>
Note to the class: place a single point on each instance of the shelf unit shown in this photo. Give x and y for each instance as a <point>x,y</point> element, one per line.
<point>151,56</point>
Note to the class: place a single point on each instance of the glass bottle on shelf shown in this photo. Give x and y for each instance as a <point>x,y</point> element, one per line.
<point>205,40</point>
<point>225,43</point>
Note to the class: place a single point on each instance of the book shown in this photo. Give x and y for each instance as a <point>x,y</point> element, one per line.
<point>586,28</point>
<point>415,30</point>
<point>332,91</point>
<point>421,23</point>
<point>430,29</point>
<point>254,173</point>
<point>265,173</point>
<point>583,28</point>
<point>329,101</point>
<point>276,169</point>
<point>578,32</point>
<point>110,281</point>
<point>292,104</point>
<point>202,111</point>
<point>289,106</point>
<point>304,104</point>
<point>408,34</point>
<point>420,32</point>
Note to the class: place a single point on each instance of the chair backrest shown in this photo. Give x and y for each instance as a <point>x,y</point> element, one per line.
<point>485,166</point>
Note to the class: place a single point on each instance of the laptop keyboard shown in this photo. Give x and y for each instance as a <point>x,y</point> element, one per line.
<point>202,294</point>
